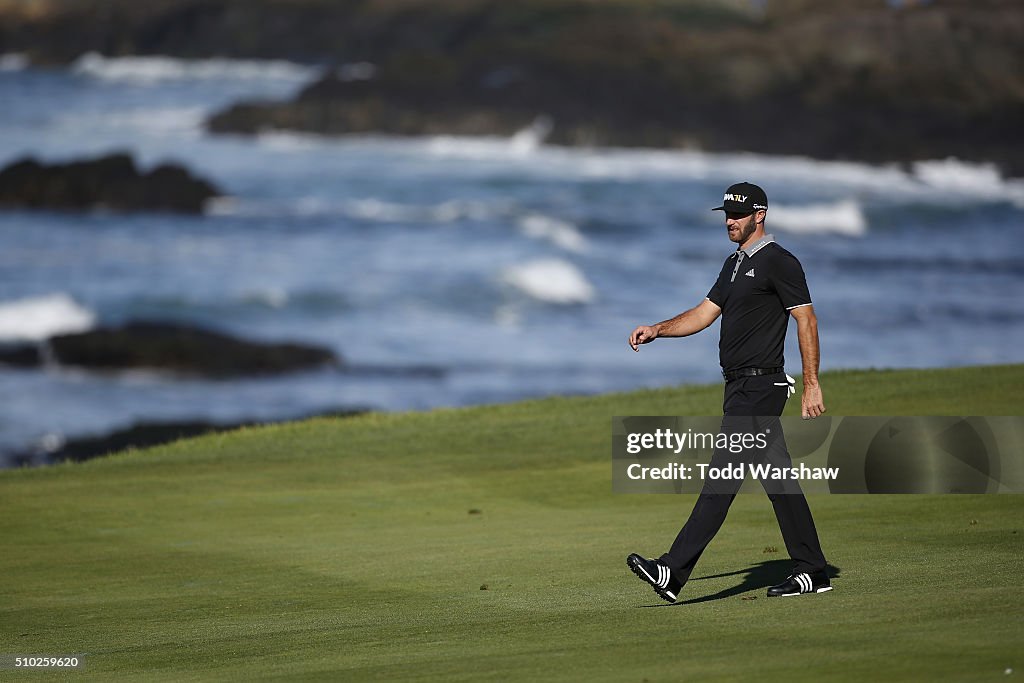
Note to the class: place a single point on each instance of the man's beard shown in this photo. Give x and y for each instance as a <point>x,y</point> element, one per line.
<point>747,232</point>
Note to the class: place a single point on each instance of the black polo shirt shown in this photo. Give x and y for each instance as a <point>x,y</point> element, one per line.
<point>756,290</point>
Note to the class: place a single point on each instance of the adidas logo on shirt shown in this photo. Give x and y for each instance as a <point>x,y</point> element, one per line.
<point>750,273</point>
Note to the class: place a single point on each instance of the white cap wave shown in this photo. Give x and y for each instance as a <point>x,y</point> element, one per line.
<point>553,281</point>
<point>524,144</point>
<point>844,217</point>
<point>558,232</point>
<point>984,181</point>
<point>41,317</point>
<point>156,69</point>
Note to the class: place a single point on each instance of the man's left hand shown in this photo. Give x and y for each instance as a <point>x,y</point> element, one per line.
<point>811,402</point>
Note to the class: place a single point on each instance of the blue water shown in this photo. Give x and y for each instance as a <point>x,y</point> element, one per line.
<point>453,271</point>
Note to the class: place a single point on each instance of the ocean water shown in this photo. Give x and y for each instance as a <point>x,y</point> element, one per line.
<point>454,271</point>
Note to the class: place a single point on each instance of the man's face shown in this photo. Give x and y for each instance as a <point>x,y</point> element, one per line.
<point>740,226</point>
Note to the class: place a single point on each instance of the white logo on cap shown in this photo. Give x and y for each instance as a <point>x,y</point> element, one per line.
<point>734,198</point>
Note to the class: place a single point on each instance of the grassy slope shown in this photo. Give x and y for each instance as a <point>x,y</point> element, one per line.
<point>335,549</point>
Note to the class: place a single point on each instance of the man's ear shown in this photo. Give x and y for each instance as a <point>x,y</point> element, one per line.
<point>761,213</point>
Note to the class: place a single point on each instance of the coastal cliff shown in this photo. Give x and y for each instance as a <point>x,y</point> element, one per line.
<point>867,80</point>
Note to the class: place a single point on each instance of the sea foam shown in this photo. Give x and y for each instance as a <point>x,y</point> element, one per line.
<point>157,69</point>
<point>41,317</point>
<point>523,144</point>
<point>969,180</point>
<point>558,232</point>
<point>844,217</point>
<point>944,182</point>
<point>372,209</point>
<point>553,281</point>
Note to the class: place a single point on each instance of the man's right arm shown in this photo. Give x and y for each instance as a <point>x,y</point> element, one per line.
<point>686,323</point>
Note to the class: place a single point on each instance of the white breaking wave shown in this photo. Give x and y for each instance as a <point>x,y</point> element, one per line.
<point>152,70</point>
<point>951,174</point>
<point>841,218</point>
<point>969,180</point>
<point>390,212</point>
<point>13,61</point>
<point>559,233</point>
<point>532,137</point>
<point>367,209</point>
<point>942,182</point>
<point>41,317</point>
<point>523,144</point>
<point>483,148</point>
<point>550,280</point>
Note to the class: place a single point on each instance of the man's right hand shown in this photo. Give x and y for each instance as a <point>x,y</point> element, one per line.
<point>812,405</point>
<point>642,335</point>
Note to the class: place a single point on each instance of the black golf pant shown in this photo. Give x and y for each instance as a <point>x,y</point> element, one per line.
<point>751,404</point>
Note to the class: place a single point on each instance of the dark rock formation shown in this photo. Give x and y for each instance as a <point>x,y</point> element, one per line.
<point>874,84</point>
<point>21,355</point>
<point>170,347</point>
<point>876,81</point>
<point>110,182</point>
<point>139,435</point>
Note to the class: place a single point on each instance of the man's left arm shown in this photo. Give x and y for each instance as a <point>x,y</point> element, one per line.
<point>811,402</point>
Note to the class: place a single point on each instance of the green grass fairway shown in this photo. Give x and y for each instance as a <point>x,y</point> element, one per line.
<point>485,544</point>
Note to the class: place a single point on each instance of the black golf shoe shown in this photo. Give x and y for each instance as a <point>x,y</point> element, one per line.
<point>801,584</point>
<point>657,575</point>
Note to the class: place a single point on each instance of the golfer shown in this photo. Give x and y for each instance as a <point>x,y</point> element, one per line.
<point>761,285</point>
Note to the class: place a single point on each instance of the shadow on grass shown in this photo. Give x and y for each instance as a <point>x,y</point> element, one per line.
<point>760,575</point>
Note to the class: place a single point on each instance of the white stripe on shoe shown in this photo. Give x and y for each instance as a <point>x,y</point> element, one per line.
<point>649,577</point>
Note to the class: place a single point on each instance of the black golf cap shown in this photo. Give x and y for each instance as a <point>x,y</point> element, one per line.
<point>745,198</point>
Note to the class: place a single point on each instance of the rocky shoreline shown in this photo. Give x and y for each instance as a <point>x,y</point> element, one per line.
<point>177,351</point>
<point>167,347</point>
<point>877,82</point>
<point>139,435</point>
<point>111,182</point>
